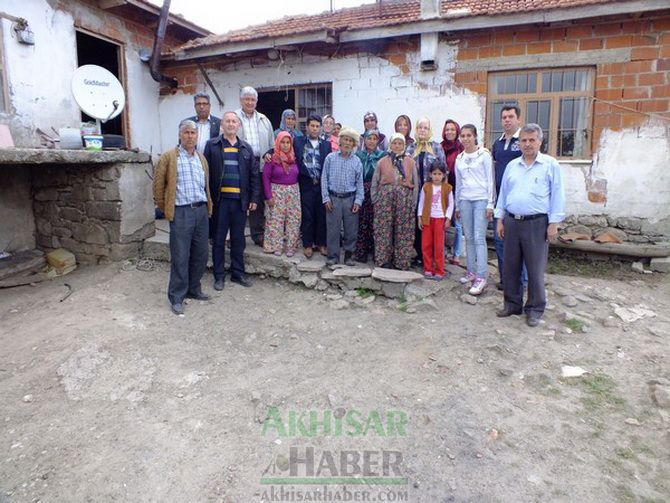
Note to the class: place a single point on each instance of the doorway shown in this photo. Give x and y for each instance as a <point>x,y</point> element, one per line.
<point>96,51</point>
<point>273,103</point>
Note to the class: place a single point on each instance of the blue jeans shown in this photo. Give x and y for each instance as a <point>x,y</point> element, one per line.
<point>473,219</point>
<point>458,237</point>
<point>499,243</point>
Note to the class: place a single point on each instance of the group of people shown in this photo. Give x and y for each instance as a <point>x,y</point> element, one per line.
<point>389,198</point>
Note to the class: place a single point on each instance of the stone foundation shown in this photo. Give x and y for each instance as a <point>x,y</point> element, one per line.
<point>313,273</point>
<point>628,229</point>
<point>98,205</point>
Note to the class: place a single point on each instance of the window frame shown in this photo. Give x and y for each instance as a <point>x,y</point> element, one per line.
<point>302,119</point>
<point>295,103</point>
<point>554,97</point>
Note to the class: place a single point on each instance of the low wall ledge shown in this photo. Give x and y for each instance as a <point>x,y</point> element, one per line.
<point>57,156</point>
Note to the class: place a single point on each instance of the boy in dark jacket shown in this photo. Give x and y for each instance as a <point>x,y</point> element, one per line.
<point>310,153</point>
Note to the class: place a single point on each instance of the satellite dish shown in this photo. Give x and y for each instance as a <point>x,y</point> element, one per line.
<point>98,92</point>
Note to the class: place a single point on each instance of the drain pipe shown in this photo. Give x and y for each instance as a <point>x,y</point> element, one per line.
<point>158,44</point>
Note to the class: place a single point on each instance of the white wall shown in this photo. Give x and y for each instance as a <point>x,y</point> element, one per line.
<point>39,76</point>
<point>634,163</point>
<point>360,83</point>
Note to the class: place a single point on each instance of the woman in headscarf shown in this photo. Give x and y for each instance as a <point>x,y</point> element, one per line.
<point>452,146</point>
<point>327,127</point>
<point>403,125</point>
<point>425,152</point>
<point>289,121</point>
<point>369,156</point>
<point>394,190</point>
<point>282,194</point>
<point>335,137</point>
<point>370,122</point>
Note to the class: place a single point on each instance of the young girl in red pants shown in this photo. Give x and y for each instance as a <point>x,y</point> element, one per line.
<point>435,209</point>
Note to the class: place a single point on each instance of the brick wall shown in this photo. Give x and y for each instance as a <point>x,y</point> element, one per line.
<point>638,83</point>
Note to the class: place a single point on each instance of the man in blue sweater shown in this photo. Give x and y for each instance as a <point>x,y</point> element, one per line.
<point>505,149</point>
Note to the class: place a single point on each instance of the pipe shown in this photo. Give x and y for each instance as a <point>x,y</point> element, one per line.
<point>154,62</point>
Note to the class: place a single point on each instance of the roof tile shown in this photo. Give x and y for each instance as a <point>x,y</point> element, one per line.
<point>392,12</point>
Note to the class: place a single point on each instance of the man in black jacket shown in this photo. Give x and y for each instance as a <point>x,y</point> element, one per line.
<point>209,126</point>
<point>235,184</point>
<point>310,153</point>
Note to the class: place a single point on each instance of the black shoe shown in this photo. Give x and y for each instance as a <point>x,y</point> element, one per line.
<point>258,242</point>
<point>349,259</point>
<point>241,280</point>
<point>331,261</point>
<point>197,296</point>
<point>532,321</point>
<point>177,308</point>
<point>219,284</point>
<point>504,313</point>
<point>499,285</point>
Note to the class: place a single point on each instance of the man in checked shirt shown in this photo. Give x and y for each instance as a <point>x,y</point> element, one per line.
<point>181,191</point>
<point>342,196</point>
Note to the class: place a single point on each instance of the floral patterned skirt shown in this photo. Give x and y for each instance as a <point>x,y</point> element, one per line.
<point>394,222</point>
<point>282,221</point>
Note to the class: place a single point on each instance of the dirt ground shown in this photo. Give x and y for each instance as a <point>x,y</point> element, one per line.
<point>107,396</point>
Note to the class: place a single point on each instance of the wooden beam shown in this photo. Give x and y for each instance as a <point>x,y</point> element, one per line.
<point>110,4</point>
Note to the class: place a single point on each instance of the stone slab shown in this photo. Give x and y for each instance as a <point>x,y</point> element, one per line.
<point>311,265</point>
<point>425,288</point>
<point>661,264</point>
<point>352,272</point>
<point>393,276</point>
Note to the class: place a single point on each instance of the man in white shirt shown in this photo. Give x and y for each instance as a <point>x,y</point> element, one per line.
<point>258,132</point>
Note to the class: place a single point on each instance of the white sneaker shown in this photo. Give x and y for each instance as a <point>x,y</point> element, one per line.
<point>478,286</point>
<point>467,278</point>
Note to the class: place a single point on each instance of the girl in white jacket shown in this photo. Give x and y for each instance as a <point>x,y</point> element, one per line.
<point>474,205</point>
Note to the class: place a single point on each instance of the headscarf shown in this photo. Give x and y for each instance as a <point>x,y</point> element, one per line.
<point>451,147</point>
<point>285,159</point>
<point>408,139</point>
<point>369,159</point>
<point>350,133</point>
<point>323,122</point>
<point>423,145</point>
<point>282,125</point>
<point>397,159</point>
<point>369,114</point>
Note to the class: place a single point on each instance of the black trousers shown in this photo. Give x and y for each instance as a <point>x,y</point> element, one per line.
<point>257,217</point>
<point>230,217</point>
<point>525,242</point>
<point>313,223</point>
<point>189,234</point>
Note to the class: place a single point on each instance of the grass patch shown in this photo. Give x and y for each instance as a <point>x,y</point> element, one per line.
<point>600,391</point>
<point>547,386</point>
<point>574,324</point>
<point>625,494</point>
<point>364,292</point>
<point>624,452</point>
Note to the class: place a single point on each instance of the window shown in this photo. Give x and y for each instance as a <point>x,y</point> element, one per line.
<point>559,100</point>
<point>305,100</point>
<point>317,99</point>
